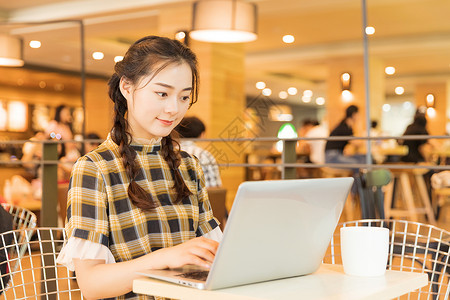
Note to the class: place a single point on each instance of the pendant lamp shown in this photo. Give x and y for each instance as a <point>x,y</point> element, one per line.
<point>224,21</point>
<point>11,54</point>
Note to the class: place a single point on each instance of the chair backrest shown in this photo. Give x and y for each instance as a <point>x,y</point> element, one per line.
<point>413,247</point>
<point>37,275</point>
<point>217,197</point>
<point>22,217</point>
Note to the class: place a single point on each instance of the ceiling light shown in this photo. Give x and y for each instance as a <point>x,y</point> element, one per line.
<point>98,55</point>
<point>288,39</point>
<point>35,44</point>
<point>431,112</point>
<point>292,91</point>
<point>307,93</point>
<point>224,21</point>
<point>306,99</point>
<point>320,100</point>
<point>283,95</point>
<point>399,90</point>
<point>386,107</point>
<point>11,54</point>
<point>346,96</point>
<point>180,35</point>
<point>118,58</point>
<point>370,30</point>
<point>260,85</point>
<point>267,92</point>
<point>389,70</point>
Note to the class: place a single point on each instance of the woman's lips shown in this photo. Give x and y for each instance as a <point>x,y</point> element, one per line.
<point>166,122</point>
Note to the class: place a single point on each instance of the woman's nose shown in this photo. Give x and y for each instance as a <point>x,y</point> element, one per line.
<point>172,105</point>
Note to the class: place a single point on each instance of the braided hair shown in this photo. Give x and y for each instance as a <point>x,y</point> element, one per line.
<point>146,56</point>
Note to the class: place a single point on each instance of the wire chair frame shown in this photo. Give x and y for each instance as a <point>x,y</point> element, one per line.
<point>413,247</point>
<point>22,219</point>
<point>37,275</point>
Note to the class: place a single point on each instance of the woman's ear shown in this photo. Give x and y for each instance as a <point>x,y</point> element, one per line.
<point>125,87</point>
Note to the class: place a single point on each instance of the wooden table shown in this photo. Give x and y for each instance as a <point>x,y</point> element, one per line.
<point>329,282</point>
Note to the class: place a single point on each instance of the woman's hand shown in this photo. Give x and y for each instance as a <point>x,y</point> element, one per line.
<point>198,251</point>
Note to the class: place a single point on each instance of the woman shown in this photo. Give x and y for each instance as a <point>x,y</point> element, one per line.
<point>137,202</point>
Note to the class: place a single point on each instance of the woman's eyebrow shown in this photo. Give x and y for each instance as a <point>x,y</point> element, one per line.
<point>171,87</point>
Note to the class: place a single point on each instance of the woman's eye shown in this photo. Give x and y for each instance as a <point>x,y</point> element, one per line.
<point>161,94</point>
<point>186,98</point>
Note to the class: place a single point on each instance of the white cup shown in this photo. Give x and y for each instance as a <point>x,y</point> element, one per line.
<point>364,250</point>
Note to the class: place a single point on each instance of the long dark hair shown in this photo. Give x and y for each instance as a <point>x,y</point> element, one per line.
<point>146,56</point>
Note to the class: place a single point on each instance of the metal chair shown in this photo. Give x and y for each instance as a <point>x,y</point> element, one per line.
<point>37,275</point>
<point>22,217</point>
<point>414,247</point>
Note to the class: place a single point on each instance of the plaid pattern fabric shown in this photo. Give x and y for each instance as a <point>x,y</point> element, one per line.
<point>207,161</point>
<point>99,209</point>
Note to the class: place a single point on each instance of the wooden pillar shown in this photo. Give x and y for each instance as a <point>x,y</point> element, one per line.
<point>99,108</point>
<point>337,104</point>
<point>436,124</point>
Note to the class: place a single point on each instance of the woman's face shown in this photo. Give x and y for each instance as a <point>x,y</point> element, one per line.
<point>156,107</point>
<point>65,116</point>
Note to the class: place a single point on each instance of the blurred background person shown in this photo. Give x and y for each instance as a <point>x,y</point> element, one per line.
<point>60,128</point>
<point>89,146</point>
<point>420,148</point>
<point>193,127</point>
<point>334,150</point>
<point>317,147</point>
<point>32,151</point>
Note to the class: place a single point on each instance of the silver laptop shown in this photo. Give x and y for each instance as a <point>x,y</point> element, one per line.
<point>276,229</point>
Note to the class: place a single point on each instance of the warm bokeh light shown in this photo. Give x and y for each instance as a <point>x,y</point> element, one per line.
<point>260,85</point>
<point>345,76</point>
<point>389,70</point>
<point>35,44</point>
<point>399,90</point>
<point>292,91</point>
<point>431,112</point>
<point>17,116</point>
<point>320,100</point>
<point>370,30</point>
<point>386,107</point>
<point>283,95</point>
<point>306,99</point>
<point>118,58</point>
<point>346,96</point>
<point>288,39</point>
<point>98,55</point>
<point>308,93</point>
<point>267,92</point>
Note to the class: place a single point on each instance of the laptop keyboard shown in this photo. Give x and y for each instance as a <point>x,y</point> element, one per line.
<point>197,275</point>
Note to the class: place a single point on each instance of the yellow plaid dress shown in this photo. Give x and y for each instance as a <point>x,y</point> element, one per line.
<point>100,211</point>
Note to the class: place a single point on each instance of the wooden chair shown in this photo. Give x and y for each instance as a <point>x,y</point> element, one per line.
<point>413,247</point>
<point>37,275</point>
<point>217,198</point>
<point>410,185</point>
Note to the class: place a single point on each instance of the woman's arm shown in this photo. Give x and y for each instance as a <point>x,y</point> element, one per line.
<point>99,280</point>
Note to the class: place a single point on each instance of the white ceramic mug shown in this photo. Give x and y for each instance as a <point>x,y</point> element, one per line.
<point>364,250</point>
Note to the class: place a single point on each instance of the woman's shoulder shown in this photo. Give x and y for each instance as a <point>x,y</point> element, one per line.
<point>103,153</point>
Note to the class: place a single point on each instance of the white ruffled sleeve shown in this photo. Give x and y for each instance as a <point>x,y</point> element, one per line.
<point>215,234</point>
<point>83,249</point>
